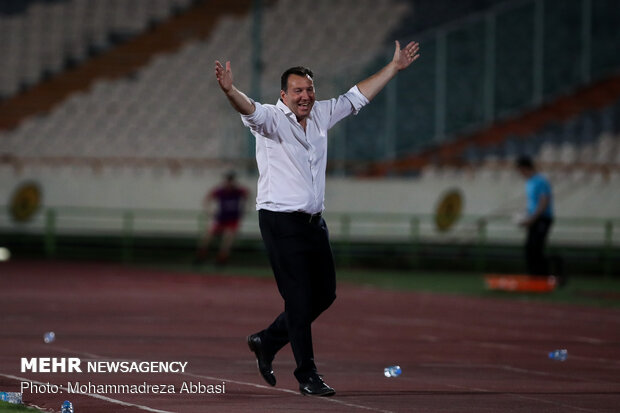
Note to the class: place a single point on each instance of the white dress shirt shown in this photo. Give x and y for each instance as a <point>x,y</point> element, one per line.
<point>291,161</point>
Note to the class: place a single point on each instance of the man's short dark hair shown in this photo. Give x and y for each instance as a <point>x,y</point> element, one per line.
<point>524,161</point>
<point>297,70</point>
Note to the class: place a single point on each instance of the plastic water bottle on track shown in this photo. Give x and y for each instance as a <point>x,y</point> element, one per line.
<point>49,337</point>
<point>392,371</point>
<point>67,407</point>
<point>559,355</point>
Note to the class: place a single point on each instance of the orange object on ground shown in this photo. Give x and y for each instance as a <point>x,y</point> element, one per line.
<point>521,283</point>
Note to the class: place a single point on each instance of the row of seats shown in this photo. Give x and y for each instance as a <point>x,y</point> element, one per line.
<point>605,151</point>
<point>590,138</point>
<point>173,107</point>
<point>47,35</point>
<point>492,67</point>
<point>494,170</point>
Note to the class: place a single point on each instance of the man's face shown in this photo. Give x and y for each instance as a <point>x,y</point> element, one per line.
<point>299,97</point>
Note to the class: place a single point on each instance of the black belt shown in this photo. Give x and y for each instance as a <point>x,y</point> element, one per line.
<point>311,218</point>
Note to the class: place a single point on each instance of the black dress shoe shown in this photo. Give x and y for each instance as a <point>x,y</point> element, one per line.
<point>315,386</point>
<point>263,360</point>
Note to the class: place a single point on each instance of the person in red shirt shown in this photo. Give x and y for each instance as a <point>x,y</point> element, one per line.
<point>230,198</point>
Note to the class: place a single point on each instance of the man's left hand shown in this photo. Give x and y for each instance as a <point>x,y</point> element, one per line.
<point>404,57</point>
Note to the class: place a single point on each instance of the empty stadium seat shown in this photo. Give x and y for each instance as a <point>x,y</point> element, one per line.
<point>172,108</point>
<point>40,37</point>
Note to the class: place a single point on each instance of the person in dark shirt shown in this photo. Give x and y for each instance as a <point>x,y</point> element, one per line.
<point>230,198</point>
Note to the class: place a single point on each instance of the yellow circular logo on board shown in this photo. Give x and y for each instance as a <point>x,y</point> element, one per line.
<point>25,202</point>
<point>448,210</point>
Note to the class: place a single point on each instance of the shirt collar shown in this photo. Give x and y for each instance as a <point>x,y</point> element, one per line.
<point>289,113</point>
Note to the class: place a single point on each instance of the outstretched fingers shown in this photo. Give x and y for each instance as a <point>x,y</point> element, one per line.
<point>223,75</point>
<point>407,55</point>
<point>412,50</point>
<point>219,69</point>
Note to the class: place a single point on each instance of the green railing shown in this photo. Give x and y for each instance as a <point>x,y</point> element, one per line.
<point>123,223</point>
<point>412,230</point>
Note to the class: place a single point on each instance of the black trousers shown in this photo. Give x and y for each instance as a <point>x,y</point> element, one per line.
<point>303,266</point>
<point>535,259</point>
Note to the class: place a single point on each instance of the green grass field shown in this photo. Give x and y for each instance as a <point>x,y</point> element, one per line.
<point>8,407</point>
<point>598,291</point>
<point>589,291</point>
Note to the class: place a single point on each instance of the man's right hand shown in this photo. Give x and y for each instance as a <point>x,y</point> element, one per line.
<point>237,99</point>
<point>224,76</point>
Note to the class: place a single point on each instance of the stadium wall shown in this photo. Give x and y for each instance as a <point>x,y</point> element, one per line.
<point>135,215</point>
<point>483,193</point>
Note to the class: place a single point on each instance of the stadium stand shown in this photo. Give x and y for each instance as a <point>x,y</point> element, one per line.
<point>42,38</point>
<point>163,107</point>
<point>474,77</point>
<point>170,108</point>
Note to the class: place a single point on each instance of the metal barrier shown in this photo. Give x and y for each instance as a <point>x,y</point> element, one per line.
<point>347,229</point>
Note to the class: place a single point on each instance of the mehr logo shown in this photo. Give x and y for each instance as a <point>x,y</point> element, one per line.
<point>25,202</point>
<point>51,365</point>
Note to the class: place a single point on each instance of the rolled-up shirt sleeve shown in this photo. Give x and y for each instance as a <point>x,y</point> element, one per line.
<point>263,120</point>
<point>357,99</point>
<point>348,104</point>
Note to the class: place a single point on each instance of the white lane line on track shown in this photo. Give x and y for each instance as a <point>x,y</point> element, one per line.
<point>95,396</point>
<point>262,386</point>
<point>504,332</point>
<point>242,383</point>
<point>521,396</point>
<point>511,369</point>
<point>607,363</point>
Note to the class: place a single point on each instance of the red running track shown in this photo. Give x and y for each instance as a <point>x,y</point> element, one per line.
<point>458,354</point>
